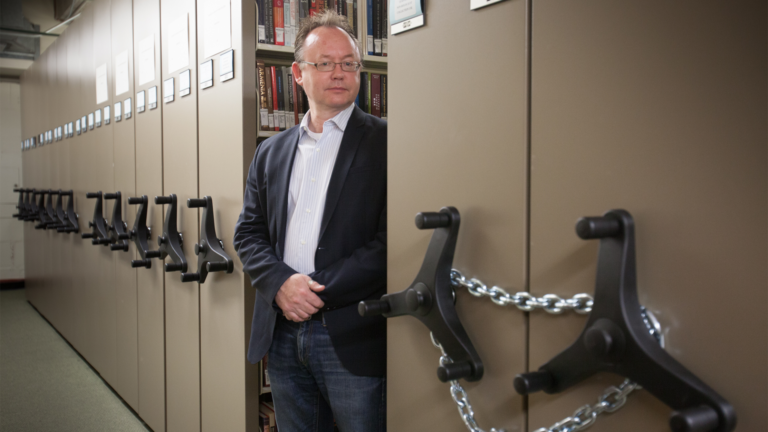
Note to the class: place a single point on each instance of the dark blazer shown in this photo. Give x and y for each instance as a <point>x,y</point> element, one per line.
<point>351,257</point>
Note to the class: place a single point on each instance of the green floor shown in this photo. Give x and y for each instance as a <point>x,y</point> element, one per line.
<point>45,385</point>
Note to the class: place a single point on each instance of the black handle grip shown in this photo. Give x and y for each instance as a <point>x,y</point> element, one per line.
<point>67,193</point>
<point>53,192</point>
<point>124,236</point>
<point>532,382</point>
<point>118,246</point>
<point>171,267</point>
<point>597,227</point>
<point>141,263</point>
<point>195,203</point>
<point>152,254</point>
<point>103,241</point>
<point>429,220</point>
<point>216,266</point>
<point>86,235</point>
<point>454,371</point>
<point>373,307</point>
<point>190,277</point>
<point>697,419</point>
<point>110,196</point>
<point>136,200</point>
<point>163,200</point>
<point>92,194</point>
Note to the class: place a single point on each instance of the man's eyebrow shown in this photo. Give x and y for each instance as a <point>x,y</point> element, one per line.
<point>326,56</point>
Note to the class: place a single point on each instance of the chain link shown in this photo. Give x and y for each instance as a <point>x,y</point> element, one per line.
<point>612,399</point>
<point>552,303</point>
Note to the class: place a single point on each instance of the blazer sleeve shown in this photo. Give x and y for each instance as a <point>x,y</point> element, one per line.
<point>357,277</point>
<point>252,239</point>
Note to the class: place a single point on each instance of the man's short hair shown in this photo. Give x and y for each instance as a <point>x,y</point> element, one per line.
<point>327,18</point>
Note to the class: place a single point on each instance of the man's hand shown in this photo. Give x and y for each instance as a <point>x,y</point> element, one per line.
<point>297,297</point>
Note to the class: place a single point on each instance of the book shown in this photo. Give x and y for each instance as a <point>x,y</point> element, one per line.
<point>269,83</point>
<point>362,94</point>
<point>376,27</point>
<point>384,97</point>
<point>287,99</point>
<point>261,21</point>
<point>280,98</point>
<point>275,106</point>
<point>295,6</point>
<point>376,95</point>
<point>316,6</point>
<point>265,372</point>
<point>369,19</point>
<point>264,422</point>
<point>268,409</point>
<point>368,100</point>
<point>295,100</point>
<point>263,109</point>
<point>303,10</point>
<point>384,28</point>
<point>287,21</point>
<point>300,104</point>
<point>269,21</point>
<point>279,22</point>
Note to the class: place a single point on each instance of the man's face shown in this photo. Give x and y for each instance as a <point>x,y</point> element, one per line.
<point>336,89</point>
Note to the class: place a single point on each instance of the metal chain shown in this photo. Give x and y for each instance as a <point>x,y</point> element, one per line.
<point>552,303</point>
<point>612,399</point>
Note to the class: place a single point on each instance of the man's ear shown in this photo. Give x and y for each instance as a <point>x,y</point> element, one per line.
<point>297,73</point>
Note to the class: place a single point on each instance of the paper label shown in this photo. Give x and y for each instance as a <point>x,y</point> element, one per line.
<point>401,10</point>
<point>377,46</point>
<point>272,121</point>
<point>107,117</point>
<point>279,35</point>
<point>281,119</point>
<point>178,44</point>
<point>121,73</point>
<point>127,108</point>
<point>217,27</point>
<point>206,74</point>
<point>118,111</point>
<point>384,46</point>
<point>370,43</point>
<point>152,97</point>
<point>264,114</point>
<point>140,101</point>
<point>262,34</point>
<point>147,59</point>
<point>226,65</point>
<point>102,90</point>
<point>168,90</point>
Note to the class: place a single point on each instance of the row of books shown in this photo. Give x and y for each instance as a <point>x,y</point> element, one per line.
<point>278,20</point>
<point>283,103</point>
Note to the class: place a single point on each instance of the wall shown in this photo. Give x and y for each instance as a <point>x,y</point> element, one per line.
<point>11,237</point>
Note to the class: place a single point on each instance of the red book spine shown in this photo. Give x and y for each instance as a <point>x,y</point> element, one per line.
<point>274,94</point>
<point>376,94</point>
<point>279,20</point>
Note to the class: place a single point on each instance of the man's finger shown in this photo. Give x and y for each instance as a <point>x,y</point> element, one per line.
<point>315,301</point>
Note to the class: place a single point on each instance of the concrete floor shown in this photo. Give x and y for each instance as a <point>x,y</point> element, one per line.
<point>45,385</point>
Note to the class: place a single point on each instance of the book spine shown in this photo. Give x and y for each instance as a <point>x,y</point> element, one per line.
<point>376,95</point>
<point>280,99</point>
<point>376,27</point>
<point>349,12</point>
<point>369,21</point>
<point>385,28</point>
<point>294,100</point>
<point>270,109</point>
<point>384,97</point>
<point>279,22</point>
<point>364,91</point>
<point>287,21</point>
<point>287,97</point>
<point>275,106</point>
<point>260,12</point>
<point>355,20</point>
<point>263,110</point>
<point>295,6</point>
<point>368,94</point>
<point>304,12</point>
<point>269,21</point>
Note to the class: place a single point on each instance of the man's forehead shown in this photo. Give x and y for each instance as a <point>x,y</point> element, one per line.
<point>322,34</point>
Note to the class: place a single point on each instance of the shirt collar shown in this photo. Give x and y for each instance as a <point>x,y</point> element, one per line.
<point>340,120</point>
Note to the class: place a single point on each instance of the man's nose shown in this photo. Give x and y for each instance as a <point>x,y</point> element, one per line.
<point>337,72</point>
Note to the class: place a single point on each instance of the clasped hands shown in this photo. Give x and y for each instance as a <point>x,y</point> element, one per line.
<point>297,298</point>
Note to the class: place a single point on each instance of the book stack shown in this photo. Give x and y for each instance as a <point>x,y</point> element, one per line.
<point>377,27</point>
<point>278,20</point>
<point>282,103</point>
<point>372,97</point>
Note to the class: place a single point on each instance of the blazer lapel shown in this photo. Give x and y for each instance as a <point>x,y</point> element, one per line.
<point>284,167</point>
<point>353,134</point>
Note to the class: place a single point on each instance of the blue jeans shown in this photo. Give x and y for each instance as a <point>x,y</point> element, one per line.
<point>311,388</point>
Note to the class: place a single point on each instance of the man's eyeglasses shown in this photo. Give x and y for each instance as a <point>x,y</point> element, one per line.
<point>348,66</point>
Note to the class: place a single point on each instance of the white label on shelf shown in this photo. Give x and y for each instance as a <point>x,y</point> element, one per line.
<point>206,74</point>
<point>477,4</point>
<point>402,10</point>
<point>147,59</point>
<point>127,108</point>
<point>152,97</point>
<point>227,66</point>
<point>107,116</point>
<point>281,119</point>
<point>98,118</point>
<point>178,44</point>
<point>217,27</point>
<point>118,111</point>
<point>121,73</point>
<point>272,121</point>
<point>140,101</point>
<point>262,33</point>
<point>370,43</point>
<point>102,90</point>
<point>407,25</point>
<point>377,46</point>
<point>279,35</point>
<point>264,116</point>
<point>168,90</point>
<point>384,46</point>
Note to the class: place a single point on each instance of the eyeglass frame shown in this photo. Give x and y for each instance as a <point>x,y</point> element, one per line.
<point>359,65</point>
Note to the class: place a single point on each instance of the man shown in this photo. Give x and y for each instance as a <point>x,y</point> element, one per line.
<point>312,238</point>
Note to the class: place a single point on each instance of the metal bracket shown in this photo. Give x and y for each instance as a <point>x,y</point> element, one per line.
<point>210,251</point>
<point>171,241</point>
<point>118,229</point>
<point>71,216</point>
<point>617,340</point>
<point>430,298</point>
<point>100,233</point>
<point>141,234</point>
<point>42,215</point>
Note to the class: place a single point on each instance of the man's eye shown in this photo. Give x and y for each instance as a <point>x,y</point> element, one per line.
<point>348,64</point>
<point>323,64</point>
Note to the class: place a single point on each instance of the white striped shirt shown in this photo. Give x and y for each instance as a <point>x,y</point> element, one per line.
<point>312,169</point>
